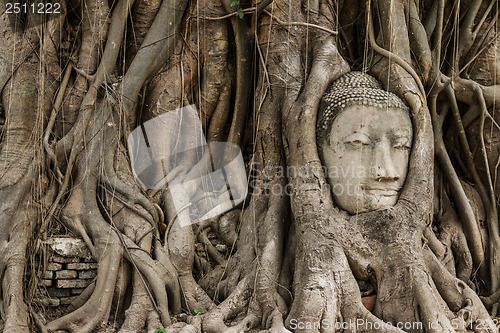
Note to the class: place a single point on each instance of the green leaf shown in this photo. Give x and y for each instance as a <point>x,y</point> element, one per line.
<point>196,311</point>
<point>240,14</point>
<point>234,3</point>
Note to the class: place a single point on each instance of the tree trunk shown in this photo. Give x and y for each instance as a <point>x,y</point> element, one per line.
<point>81,90</point>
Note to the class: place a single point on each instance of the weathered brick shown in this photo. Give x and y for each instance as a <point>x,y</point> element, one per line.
<point>45,283</point>
<point>82,266</point>
<point>66,274</point>
<point>48,275</point>
<point>87,274</point>
<point>55,292</point>
<point>64,260</point>
<point>67,300</point>
<point>72,283</point>
<point>77,291</point>
<point>52,266</point>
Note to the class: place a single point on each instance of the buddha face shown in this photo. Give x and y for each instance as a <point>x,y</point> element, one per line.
<point>366,154</point>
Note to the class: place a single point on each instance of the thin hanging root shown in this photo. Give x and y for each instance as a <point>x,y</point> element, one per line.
<point>59,99</point>
<point>243,72</point>
<point>81,72</point>
<point>493,227</point>
<point>64,187</point>
<point>466,35</point>
<point>487,194</point>
<point>133,197</point>
<point>106,66</point>
<point>464,207</point>
<point>215,73</point>
<point>129,203</point>
<point>419,44</point>
<point>301,24</point>
<point>221,114</point>
<point>390,55</point>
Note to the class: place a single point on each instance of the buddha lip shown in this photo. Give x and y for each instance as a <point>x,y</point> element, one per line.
<point>376,188</point>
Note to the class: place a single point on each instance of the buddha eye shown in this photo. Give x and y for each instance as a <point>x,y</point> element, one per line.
<point>402,143</point>
<point>357,140</point>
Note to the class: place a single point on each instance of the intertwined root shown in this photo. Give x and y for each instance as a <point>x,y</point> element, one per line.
<point>312,271</point>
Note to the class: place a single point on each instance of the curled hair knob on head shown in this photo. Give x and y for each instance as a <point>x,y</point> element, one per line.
<point>353,88</point>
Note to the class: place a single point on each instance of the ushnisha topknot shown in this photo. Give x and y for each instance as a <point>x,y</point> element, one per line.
<point>353,88</point>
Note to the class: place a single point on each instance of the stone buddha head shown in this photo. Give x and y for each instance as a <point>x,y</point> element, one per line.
<point>364,137</point>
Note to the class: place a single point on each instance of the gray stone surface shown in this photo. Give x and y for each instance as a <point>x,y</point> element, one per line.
<point>69,247</point>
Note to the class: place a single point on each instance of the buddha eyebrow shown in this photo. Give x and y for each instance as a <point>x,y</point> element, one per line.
<point>357,132</point>
<point>400,133</point>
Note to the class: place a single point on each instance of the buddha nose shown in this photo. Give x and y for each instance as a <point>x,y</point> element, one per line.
<point>384,169</point>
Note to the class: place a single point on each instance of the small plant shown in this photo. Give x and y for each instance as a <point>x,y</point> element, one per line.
<point>239,12</point>
<point>197,312</point>
<point>160,330</point>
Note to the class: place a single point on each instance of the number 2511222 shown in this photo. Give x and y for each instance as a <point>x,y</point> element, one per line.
<point>32,8</point>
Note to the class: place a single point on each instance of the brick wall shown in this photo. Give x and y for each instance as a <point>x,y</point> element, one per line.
<point>69,271</point>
